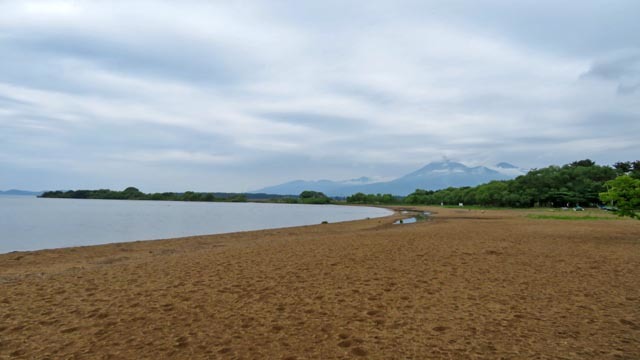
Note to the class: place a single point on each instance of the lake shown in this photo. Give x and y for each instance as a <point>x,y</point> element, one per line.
<point>30,223</point>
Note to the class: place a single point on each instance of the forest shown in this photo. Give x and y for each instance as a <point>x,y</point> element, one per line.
<point>132,193</point>
<point>580,183</point>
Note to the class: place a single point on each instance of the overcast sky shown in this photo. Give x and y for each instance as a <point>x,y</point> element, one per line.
<point>237,95</point>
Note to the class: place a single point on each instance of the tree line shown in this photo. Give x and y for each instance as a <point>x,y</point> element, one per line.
<point>381,199</point>
<point>580,183</point>
<point>132,193</point>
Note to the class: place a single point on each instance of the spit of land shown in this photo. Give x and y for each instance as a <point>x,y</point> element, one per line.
<point>464,284</point>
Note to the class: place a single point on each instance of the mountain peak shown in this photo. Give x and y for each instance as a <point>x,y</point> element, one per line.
<point>360,180</point>
<point>506,165</point>
<point>440,167</point>
<point>433,176</point>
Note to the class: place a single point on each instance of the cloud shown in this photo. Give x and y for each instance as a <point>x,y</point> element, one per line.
<point>622,67</point>
<point>234,96</point>
<point>170,156</point>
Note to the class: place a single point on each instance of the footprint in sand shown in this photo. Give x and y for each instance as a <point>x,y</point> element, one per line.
<point>440,328</point>
<point>358,351</point>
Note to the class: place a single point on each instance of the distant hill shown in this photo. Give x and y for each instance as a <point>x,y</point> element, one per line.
<point>434,176</point>
<point>20,192</point>
<point>505,165</point>
<point>509,169</point>
<point>328,187</point>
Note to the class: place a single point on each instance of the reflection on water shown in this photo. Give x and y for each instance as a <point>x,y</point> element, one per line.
<point>419,217</point>
<point>406,221</point>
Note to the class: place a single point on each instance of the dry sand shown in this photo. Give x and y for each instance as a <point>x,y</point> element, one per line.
<point>467,284</point>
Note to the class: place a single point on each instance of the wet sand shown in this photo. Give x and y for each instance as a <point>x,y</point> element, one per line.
<point>466,284</point>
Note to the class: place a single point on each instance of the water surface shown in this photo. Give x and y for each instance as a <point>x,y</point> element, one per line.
<point>30,223</point>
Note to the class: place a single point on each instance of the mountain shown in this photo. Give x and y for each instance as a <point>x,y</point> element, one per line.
<point>437,175</point>
<point>331,188</point>
<point>20,192</point>
<point>505,165</point>
<point>509,169</point>
<point>434,176</point>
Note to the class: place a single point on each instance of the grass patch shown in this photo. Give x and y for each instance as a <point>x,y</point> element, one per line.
<point>570,217</point>
<point>477,207</point>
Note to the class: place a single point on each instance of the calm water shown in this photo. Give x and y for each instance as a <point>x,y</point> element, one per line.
<point>29,223</point>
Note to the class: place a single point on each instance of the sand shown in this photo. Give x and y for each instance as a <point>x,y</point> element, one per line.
<point>467,284</point>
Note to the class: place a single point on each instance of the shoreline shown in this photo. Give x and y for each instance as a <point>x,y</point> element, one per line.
<point>393,214</point>
<point>93,223</point>
<point>469,284</point>
<point>97,251</point>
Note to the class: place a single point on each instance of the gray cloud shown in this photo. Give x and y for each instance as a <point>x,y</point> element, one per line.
<point>232,97</point>
<point>622,68</point>
<point>329,123</point>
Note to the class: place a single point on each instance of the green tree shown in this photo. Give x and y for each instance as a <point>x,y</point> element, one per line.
<point>132,193</point>
<point>583,163</point>
<point>313,197</point>
<point>623,167</point>
<point>189,196</point>
<point>238,198</point>
<point>208,197</point>
<point>357,198</point>
<point>624,193</point>
<point>387,199</point>
<point>635,173</point>
<point>491,194</point>
<point>631,168</point>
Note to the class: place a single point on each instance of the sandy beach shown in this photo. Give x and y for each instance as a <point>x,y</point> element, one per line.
<point>464,285</point>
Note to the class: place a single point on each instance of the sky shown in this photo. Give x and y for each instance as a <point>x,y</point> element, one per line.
<point>238,95</point>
